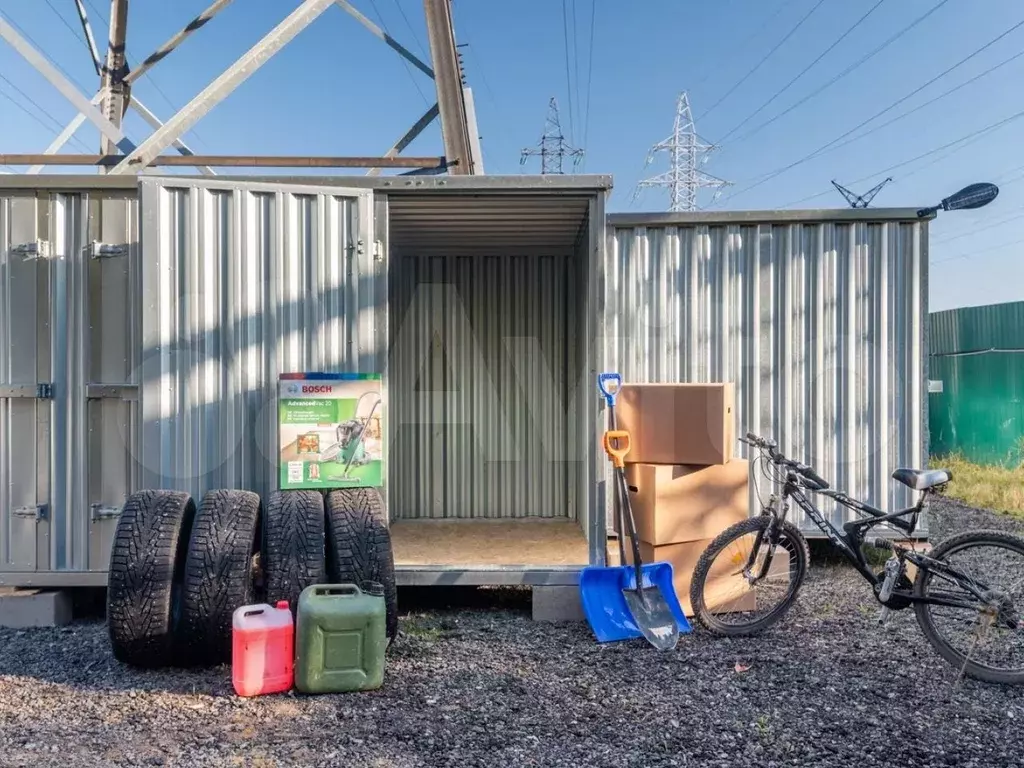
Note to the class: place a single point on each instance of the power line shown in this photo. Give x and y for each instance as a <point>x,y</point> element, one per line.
<point>860,125</point>
<point>36,104</point>
<point>576,59</point>
<point>853,67</point>
<point>758,30</point>
<point>976,230</point>
<point>887,123</point>
<point>931,101</point>
<point>408,69</point>
<point>590,79</point>
<point>804,71</point>
<point>568,70</point>
<point>965,140</point>
<point>972,254</point>
<point>412,31</point>
<point>763,60</point>
<point>77,33</point>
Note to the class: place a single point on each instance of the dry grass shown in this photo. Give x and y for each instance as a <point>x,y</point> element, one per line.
<point>987,487</point>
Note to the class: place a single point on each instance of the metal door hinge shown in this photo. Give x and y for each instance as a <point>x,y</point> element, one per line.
<point>44,391</point>
<point>98,250</point>
<point>104,512</point>
<point>39,249</point>
<point>39,512</point>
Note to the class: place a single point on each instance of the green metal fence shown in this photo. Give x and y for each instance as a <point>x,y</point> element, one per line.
<point>976,383</point>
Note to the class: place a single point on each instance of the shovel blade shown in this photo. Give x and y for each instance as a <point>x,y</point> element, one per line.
<point>654,617</point>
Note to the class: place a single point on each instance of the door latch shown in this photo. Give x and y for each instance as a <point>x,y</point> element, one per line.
<point>98,250</point>
<point>38,249</point>
<point>38,512</point>
<point>103,512</point>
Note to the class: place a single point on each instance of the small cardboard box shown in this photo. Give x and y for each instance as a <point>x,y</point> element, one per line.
<point>724,592</point>
<point>676,503</point>
<point>678,423</point>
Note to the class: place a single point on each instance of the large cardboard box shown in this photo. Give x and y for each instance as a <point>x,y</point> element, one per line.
<point>726,591</point>
<point>678,423</point>
<point>676,503</point>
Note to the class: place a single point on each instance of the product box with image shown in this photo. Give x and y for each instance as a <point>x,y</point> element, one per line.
<point>330,430</point>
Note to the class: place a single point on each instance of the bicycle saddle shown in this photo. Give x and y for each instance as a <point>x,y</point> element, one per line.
<point>922,479</point>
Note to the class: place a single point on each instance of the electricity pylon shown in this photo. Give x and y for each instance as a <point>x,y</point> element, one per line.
<point>552,147</point>
<point>687,151</point>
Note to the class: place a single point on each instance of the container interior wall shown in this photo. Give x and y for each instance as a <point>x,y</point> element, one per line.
<point>487,353</point>
<point>820,325</point>
<point>69,320</point>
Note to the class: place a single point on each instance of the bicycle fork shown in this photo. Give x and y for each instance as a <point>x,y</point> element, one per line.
<point>771,532</point>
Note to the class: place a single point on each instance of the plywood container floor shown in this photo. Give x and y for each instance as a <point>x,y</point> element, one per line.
<point>488,542</point>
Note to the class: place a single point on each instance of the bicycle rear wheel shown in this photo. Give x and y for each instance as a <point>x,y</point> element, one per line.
<point>725,601</point>
<point>985,642</point>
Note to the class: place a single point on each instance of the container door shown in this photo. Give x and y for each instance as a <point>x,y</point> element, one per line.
<point>241,282</point>
<point>26,272</point>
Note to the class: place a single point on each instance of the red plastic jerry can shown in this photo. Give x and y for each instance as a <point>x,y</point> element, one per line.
<point>262,649</point>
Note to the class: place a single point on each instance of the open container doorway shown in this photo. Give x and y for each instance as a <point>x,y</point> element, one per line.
<point>492,315</point>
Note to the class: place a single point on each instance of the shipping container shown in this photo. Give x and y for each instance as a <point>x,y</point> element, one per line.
<point>144,322</point>
<point>976,383</point>
<point>817,316</point>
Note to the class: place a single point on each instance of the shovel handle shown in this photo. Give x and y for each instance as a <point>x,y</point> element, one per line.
<point>617,452</point>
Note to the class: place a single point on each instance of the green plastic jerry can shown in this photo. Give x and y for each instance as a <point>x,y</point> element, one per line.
<point>340,638</point>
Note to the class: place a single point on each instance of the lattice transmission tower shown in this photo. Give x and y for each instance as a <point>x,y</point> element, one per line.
<point>687,152</point>
<point>552,147</point>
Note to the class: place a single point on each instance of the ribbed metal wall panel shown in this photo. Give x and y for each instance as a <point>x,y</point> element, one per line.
<point>976,329</point>
<point>67,314</point>
<point>241,282</point>
<point>819,324</point>
<point>479,384</point>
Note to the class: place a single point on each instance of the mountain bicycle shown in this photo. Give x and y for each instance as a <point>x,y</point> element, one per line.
<point>764,549</point>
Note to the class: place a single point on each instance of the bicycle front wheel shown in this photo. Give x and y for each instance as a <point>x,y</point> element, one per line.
<point>984,638</point>
<point>730,598</point>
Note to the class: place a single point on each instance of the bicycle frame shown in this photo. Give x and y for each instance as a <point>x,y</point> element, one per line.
<point>850,540</point>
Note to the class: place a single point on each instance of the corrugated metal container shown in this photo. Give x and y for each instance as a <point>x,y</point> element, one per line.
<point>146,322</point>
<point>143,324</point>
<point>69,299</point>
<point>976,383</point>
<point>974,329</point>
<point>816,316</point>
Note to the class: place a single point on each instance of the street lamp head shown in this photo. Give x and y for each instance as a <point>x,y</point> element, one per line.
<point>972,196</point>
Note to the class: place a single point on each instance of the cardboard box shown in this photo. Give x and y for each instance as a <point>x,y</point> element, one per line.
<point>676,503</point>
<point>678,423</point>
<point>725,592</point>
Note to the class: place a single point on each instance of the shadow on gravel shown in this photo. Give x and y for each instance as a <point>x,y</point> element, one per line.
<point>79,655</point>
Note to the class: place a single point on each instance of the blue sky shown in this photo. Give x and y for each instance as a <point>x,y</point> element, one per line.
<point>336,89</point>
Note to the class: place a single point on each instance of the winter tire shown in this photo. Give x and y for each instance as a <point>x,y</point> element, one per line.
<point>293,544</point>
<point>144,581</point>
<point>218,573</point>
<point>359,545</point>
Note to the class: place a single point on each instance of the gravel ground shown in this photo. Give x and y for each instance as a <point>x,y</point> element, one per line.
<point>485,686</point>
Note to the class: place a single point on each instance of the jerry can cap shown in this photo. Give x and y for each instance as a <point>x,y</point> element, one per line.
<point>283,605</point>
<point>374,588</point>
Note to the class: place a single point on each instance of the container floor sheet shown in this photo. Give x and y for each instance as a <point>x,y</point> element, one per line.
<point>472,543</point>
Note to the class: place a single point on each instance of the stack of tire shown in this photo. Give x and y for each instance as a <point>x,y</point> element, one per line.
<point>177,572</point>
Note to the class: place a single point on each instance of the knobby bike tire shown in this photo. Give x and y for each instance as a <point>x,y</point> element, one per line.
<point>752,525</point>
<point>924,614</point>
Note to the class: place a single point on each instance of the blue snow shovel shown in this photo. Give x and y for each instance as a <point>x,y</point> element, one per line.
<point>629,601</point>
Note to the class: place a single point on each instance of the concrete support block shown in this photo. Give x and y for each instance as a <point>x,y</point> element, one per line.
<point>20,608</point>
<point>557,604</point>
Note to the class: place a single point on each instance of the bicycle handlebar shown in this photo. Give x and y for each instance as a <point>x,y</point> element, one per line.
<point>815,481</point>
